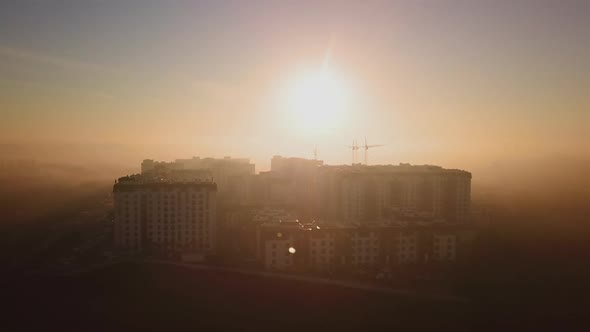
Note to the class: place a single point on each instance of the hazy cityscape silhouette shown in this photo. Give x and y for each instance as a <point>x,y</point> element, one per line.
<point>307,165</point>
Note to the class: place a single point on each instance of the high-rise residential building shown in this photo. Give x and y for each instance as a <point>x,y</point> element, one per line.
<point>225,172</point>
<point>300,175</point>
<point>295,167</point>
<point>164,214</point>
<point>360,194</point>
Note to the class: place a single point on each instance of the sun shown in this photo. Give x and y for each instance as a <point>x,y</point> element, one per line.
<point>318,101</point>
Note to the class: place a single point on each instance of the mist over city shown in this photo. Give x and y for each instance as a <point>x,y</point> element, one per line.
<point>306,165</point>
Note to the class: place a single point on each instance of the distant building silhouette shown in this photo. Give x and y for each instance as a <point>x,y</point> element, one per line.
<point>301,176</point>
<point>359,193</point>
<point>222,171</point>
<point>375,193</point>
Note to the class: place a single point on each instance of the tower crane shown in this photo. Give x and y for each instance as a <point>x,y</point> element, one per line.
<point>366,147</point>
<point>354,148</point>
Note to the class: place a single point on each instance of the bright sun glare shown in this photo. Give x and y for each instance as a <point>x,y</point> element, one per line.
<point>318,101</point>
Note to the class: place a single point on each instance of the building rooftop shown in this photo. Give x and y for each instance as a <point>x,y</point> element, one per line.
<point>327,226</point>
<point>402,168</point>
<point>155,180</point>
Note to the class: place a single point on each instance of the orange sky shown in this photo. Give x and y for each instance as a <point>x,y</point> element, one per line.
<point>451,83</point>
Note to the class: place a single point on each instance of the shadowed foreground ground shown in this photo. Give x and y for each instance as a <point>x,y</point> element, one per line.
<point>134,296</point>
<point>145,297</point>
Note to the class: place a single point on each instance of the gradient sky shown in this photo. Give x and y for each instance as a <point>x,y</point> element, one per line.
<point>446,82</point>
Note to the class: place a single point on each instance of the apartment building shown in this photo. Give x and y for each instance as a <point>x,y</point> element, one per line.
<point>153,213</point>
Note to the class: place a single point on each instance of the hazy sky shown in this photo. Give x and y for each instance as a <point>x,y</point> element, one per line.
<point>436,81</point>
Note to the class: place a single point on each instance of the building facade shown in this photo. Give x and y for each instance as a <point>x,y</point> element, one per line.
<point>358,194</point>
<point>156,214</point>
<point>309,247</point>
